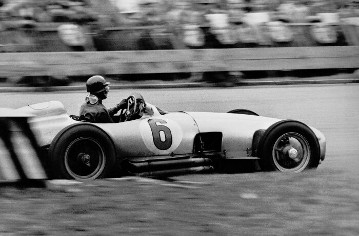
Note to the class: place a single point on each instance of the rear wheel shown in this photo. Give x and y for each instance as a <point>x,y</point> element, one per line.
<point>82,152</point>
<point>289,146</point>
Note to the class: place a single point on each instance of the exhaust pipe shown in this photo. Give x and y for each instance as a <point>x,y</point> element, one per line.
<point>163,165</point>
<point>175,172</point>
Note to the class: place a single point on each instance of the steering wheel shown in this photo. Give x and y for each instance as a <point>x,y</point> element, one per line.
<point>135,107</point>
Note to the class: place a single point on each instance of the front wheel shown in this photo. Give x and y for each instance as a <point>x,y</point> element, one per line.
<point>289,146</point>
<point>82,152</point>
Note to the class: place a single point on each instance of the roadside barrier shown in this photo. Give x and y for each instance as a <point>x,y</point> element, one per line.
<point>15,65</point>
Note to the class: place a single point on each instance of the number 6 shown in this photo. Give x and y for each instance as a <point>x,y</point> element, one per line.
<point>162,136</point>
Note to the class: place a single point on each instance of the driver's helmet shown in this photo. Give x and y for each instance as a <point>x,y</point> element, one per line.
<point>96,84</point>
<point>136,106</point>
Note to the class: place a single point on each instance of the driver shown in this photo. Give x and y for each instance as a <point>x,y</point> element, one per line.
<point>93,110</point>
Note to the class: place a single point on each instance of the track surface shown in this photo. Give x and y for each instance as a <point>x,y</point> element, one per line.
<point>333,109</point>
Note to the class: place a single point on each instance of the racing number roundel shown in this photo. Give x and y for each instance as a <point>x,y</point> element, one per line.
<point>161,136</point>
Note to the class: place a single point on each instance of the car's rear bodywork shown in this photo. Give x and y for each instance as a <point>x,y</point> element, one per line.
<point>20,164</point>
<point>170,135</point>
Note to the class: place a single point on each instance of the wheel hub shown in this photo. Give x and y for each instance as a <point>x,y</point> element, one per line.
<point>289,151</point>
<point>85,159</point>
<point>293,154</point>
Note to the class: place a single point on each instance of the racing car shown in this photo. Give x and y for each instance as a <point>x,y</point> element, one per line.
<point>166,142</point>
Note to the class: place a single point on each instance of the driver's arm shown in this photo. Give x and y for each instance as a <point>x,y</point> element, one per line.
<point>121,105</point>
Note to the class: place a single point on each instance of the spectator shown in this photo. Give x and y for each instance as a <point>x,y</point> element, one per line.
<point>107,13</point>
<point>286,10</point>
<point>293,11</point>
<point>192,20</point>
<point>235,10</point>
<point>256,19</point>
<point>219,22</point>
<point>151,13</point>
<point>176,11</point>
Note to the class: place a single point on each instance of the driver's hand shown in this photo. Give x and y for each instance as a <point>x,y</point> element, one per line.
<point>122,104</point>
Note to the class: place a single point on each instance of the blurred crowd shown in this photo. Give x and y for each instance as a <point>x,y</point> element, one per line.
<point>181,23</point>
<point>32,11</point>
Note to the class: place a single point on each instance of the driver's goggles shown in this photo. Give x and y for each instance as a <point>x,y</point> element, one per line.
<point>107,88</point>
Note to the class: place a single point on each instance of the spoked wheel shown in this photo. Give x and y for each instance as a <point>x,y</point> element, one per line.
<point>82,152</point>
<point>288,146</point>
<point>291,152</point>
<point>84,158</point>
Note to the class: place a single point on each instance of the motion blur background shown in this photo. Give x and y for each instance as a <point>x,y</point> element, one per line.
<point>132,25</point>
<point>86,25</point>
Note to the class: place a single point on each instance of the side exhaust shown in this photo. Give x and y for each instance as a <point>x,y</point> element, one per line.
<point>175,172</point>
<point>170,167</point>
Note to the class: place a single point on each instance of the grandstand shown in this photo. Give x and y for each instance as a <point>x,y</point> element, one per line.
<point>191,35</point>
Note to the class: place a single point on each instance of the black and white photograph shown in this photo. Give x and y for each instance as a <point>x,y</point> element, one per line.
<point>179,117</point>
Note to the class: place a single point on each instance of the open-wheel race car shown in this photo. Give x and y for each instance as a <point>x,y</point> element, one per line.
<point>171,142</point>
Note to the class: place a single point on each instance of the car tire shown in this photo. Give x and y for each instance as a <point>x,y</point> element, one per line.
<point>288,146</point>
<point>82,152</point>
<point>243,111</point>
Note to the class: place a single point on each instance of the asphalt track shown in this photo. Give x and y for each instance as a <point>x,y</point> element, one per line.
<point>322,202</point>
<point>333,109</point>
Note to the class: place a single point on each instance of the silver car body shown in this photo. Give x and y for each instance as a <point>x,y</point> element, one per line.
<point>135,139</point>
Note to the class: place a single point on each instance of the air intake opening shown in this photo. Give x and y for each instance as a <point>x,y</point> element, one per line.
<point>208,142</point>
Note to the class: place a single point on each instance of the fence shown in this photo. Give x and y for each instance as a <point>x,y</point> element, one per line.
<point>116,51</point>
<point>177,61</point>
